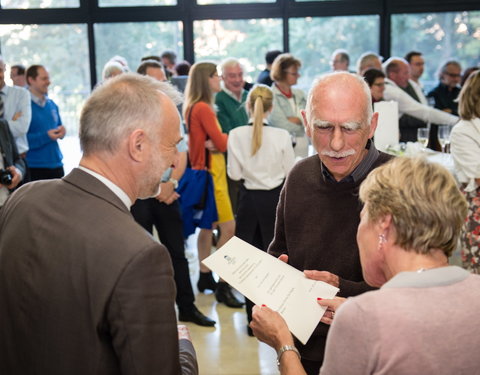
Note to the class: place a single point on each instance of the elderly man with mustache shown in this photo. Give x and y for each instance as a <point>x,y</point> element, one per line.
<point>318,212</point>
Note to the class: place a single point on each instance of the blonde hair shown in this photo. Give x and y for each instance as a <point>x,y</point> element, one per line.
<point>469,98</point>
<point>259,101</point>
<point>427,208</point>
<point>281,64</point>
<point>198,86</point>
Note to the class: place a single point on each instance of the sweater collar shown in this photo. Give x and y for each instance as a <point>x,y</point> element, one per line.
<point>362,169</point>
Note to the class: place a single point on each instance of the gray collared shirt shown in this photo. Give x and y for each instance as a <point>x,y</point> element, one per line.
<point>361,170</point>
<point>39,101</point>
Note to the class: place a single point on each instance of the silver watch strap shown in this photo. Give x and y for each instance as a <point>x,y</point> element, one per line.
<point>284,349</point>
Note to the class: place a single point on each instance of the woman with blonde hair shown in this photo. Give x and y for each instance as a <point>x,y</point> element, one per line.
<point>410,223</point>
<point>465,148</point>
<point>261,156</point>
<point>206,145</point>
<point>288,102</point>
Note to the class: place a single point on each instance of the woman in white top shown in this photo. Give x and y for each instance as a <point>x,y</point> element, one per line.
<point>288,102</point>
<point>261,156</point>
<point>465,148</point>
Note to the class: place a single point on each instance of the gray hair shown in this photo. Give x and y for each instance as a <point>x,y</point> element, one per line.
<point>111,68</point>
<point>342,79</point>
<point>365,61</point>
<point>343,54</point>
<point>443,68</point>
<point>230,63</point>
<point>118,107</point>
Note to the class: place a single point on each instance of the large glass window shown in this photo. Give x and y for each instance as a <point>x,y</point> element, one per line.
<point>63,50</point>
<point>134,3</point>
<point>205,2</point>
<point>439,37</point>
<point>247,40</point>
<point>313,40</point>
<point>32,4</point>
<point>136,40</point>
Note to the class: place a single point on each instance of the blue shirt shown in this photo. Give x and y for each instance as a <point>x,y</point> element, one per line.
<point>43,151</point>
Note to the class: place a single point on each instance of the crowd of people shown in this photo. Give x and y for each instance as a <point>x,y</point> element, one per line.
<point>185,148</point>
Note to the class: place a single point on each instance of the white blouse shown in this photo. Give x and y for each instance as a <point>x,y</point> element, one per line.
<point>269,166</point>
<point>465,148</point>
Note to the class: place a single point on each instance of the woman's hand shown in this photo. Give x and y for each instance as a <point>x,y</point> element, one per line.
<point>332,306</point>
<point>269,327</point>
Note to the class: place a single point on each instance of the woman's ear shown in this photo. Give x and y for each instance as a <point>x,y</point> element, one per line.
<point>384,226</point>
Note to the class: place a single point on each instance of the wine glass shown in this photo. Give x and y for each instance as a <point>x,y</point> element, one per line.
<point>422,136</point>
<point>444,136</point>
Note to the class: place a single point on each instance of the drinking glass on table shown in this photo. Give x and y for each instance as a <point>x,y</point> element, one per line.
<point>444,136</point>
<point>422,136</point>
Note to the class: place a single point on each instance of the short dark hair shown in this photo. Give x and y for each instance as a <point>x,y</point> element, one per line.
<point>152,57</point>
<point>271,56</point>
<point>142,68</point>
<point>370,75</point>
<point>183,68</point>
<point>20,68</point>
<point>412,54</point>
<point>169,54</point>
<point>32,71</point>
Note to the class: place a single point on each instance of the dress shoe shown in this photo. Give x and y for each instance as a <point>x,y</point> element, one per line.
<point>206,281</point>
<point>224,294</point>
<point>195,316</point>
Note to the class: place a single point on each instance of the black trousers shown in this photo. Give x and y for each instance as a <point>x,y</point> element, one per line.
<point>255,222</point>
<point>168,223</point>
<point>46,173</point>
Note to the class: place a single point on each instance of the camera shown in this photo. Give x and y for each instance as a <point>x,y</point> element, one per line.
<point>5,177</point>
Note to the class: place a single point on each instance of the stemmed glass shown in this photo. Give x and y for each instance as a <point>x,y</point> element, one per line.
<point>444,136</point>
<point>422,136</point>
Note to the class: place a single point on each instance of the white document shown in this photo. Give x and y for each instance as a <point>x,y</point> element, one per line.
<point>387,133</point>
<point>266,280</point>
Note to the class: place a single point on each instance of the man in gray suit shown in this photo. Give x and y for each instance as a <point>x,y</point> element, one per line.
<point>83,288</point>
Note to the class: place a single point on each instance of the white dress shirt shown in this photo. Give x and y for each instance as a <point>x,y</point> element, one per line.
<point>17,99</point>
<point>419,91</point>
<point>408,105</point>
<point>114,188</point>
<point>465,148</point>
<point>266,169</point>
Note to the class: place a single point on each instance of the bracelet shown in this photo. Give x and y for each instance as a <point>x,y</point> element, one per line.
<point>284,349</point>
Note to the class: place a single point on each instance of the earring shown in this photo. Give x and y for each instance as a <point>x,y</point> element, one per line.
<point>382,239</point>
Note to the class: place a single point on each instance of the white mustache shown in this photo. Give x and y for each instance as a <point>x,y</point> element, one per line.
<point>334,154</point>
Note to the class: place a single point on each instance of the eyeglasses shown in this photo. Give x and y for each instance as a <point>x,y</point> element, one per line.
<point>379,84</point>
<point>453,75</point>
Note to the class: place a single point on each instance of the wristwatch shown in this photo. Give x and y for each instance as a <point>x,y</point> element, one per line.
<point>284,349</point>
<point>174,182</point>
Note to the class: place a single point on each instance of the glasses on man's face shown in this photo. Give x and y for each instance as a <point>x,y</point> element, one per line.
<point>453,75</point>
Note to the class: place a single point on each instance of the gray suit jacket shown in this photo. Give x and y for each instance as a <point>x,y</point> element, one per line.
<point>83,288</point>
<point>8,148</point>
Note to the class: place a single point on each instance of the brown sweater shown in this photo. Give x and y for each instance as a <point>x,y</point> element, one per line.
<point>316,227</point>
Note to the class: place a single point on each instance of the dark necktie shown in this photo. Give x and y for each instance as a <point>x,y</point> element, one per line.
<point>2,107</point>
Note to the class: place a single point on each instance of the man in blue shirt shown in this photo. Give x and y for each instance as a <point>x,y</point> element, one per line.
<point>44,156</point>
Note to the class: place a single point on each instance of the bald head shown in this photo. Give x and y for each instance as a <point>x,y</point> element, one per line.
<point>398,70</point>
<point>367,61</point>
<point>341,84</point>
